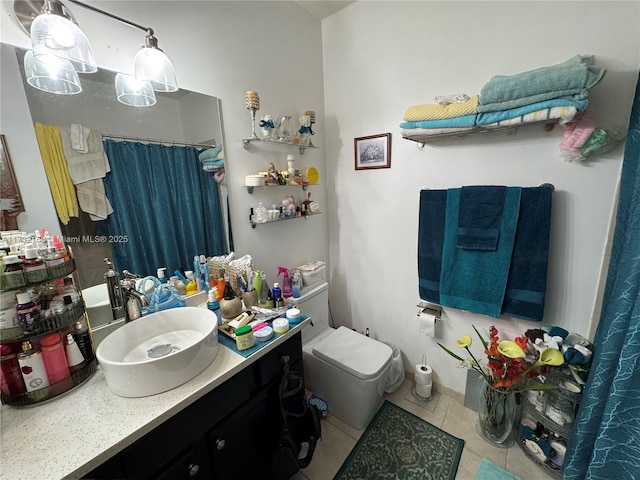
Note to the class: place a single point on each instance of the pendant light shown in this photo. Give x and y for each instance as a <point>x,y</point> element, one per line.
<point>52,74</point>
<point>151,64</point>
<point>53,33</point>
<point>133,92</point>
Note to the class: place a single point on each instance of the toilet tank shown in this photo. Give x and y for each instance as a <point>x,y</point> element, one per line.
<point>314,301</point>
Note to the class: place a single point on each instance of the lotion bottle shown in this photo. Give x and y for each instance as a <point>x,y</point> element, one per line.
<point>32,367</point>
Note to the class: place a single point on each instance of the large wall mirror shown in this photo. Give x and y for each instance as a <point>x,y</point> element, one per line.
<point>181,118</point>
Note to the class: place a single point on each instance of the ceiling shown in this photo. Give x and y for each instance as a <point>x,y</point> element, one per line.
<point>322,8</point>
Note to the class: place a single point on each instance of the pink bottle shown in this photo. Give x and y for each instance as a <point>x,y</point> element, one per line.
<point>55,360</point>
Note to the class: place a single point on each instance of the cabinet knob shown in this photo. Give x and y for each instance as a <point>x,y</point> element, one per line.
<point>220,443</point>
<point>194,468</point>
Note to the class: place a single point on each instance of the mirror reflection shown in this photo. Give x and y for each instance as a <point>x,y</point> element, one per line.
<point>159,207</point>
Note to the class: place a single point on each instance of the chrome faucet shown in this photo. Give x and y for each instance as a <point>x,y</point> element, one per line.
<point>112,280</point>
<point>134,300</point>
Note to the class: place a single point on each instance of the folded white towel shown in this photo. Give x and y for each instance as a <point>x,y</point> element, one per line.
<point>79,137</point>
<point>85,166</point>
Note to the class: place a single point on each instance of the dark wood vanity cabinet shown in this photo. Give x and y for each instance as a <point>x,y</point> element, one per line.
<point>230,433</point>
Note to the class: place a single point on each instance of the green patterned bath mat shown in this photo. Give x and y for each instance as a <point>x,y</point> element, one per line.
<point>399,445</point>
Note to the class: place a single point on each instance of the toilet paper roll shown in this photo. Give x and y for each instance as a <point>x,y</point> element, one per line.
<point>423,390</point>
<point>423,375</point>
<point>426,324</point>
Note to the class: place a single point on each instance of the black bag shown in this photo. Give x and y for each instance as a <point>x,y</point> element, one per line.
<point>301,428</point>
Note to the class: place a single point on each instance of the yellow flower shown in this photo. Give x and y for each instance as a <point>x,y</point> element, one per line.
<point>464,342</point>
<point>510,349</point>
<point>550,356</point>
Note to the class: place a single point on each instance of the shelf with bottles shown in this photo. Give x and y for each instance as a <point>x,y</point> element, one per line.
<point>280,219</point>
<point>303,185</point>
<point>16,280</point>
<point>301,147</point>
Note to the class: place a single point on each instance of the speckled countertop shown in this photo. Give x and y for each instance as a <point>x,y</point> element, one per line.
<point>70,435</point>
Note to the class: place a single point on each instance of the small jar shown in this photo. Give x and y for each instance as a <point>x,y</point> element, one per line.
<point>28,314</point>
<point>54,261</point>
<point>244,337</point>
<point>11,382</point>
<point>12,277</point>
<point>280,326</point>
<point>35,271</point>
<point>293,317</point>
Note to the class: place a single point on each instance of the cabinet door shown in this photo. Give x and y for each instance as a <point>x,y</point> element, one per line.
<point>242,445</point>
<point>191,465</point>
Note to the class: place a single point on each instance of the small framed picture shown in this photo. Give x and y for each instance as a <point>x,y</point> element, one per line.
<point>373,151</point>
<point>9,191</point>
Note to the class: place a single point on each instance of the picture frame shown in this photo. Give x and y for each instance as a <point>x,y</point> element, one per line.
<point>9,190</point>
<point>373,151</point>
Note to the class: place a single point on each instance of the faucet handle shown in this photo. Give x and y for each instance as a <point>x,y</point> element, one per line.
<point>130,276</point>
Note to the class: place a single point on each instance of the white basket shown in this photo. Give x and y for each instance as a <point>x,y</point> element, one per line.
<point>312,272</point>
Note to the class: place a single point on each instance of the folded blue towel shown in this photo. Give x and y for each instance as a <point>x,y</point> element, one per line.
<point>572,78</point>
<point>527,283</point>
<point>210,153</point>
<point>508,113</point>
<point>480,216</point>
<point>462,121</point>
<point>476,280</point>
<point>529,434</point>
<point>433,204</point>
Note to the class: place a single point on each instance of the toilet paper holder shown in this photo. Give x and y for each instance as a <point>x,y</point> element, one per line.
<point>431,309</point>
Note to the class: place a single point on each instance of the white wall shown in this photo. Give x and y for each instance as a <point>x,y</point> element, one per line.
<point>220,49</point>
<point>382,57</point>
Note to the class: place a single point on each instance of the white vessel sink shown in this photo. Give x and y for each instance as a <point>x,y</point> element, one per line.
<point>158,352</point>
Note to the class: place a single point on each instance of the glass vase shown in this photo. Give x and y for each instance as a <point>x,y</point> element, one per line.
<point>496,414</point>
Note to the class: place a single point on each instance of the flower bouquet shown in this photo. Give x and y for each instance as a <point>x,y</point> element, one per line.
<point>509,365</point>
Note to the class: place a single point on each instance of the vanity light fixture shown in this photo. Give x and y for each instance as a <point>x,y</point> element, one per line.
<point>54,32</point>
<point>134,92</point>
<point>51,74</point>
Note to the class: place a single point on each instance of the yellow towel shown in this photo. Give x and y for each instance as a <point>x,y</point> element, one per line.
<point>418,113</point>
<point>55,166</point>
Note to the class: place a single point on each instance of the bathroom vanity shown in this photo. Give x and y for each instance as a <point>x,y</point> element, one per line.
<point>223,424</point>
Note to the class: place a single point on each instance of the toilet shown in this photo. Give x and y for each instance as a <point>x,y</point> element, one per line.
<point>345,368</point>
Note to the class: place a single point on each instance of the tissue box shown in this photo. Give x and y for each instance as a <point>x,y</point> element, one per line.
<point>312,272</point>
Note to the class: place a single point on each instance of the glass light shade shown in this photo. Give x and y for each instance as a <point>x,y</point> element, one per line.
<point>134,92</point>
<point>51,74</point>
<point>153,65</point>
<point>56,35</point>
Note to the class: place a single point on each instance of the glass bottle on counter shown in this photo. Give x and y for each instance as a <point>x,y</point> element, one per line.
<point>264,289</point>
<point>28,314</point>
<point>229,294</point>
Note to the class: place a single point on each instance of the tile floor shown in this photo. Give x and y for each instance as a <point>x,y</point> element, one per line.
<point>445,411</point>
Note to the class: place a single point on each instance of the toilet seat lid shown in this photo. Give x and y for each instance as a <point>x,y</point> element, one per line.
<point>354,353</point>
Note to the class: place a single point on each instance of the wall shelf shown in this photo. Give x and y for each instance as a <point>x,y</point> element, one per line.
<point>301,148</point>
<point>304,186</point>
<point>253,223</point>
<point>423,139</point>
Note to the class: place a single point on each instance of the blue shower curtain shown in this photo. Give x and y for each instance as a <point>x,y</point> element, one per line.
<point>166,209</point>
<point>606,439</point>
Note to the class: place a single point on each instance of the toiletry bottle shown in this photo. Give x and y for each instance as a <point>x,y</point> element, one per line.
<point>296,285</point>
<point>35,271</point>
<point>32,367</point>
<point>270,302</point>
<point>279,300</point>
<point>55,360</point>
<point>12,277</point>
<point>54,261</point>
<point>220,288</point>
<point>196,272</point>
<point>229,294</point>
<point>83,339</point>
<point>214,305</point>
<point>204,271</point>
<point>75,359</point>
<point>161,275</point>
<point>28,314</point>
<point>12,382</point>
<point>191,286</point>
<point>286,282</point>
<point>264,290</point>
<point>276,292</point>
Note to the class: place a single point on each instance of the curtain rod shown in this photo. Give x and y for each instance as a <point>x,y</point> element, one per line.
<point>153,140</point>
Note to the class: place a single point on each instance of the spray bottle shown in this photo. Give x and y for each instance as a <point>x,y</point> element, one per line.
<point>286,282</point>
